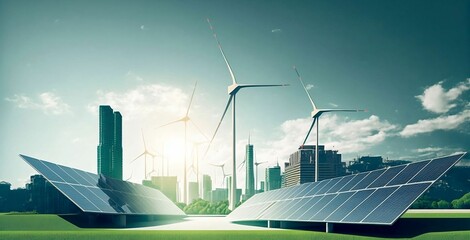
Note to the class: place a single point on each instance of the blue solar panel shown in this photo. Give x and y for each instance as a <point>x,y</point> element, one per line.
<point>356,179</point>
<point>399,201</point>
<point>100,194</point>
<point>409,172</point>
<point>376,197</point>
<point>386,176</point>
<point>369,204</point>
<point>333,205</point>
<point>434,169</point>
<point>372,176</point>
<point>328,186</point>
<point>308,209</point>
<point>344,209</point>
<point>341,184</point>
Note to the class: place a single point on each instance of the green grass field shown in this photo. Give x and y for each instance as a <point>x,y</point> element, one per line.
<point>43,226</point>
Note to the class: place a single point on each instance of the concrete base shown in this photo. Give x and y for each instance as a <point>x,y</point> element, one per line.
<point>329,227</point>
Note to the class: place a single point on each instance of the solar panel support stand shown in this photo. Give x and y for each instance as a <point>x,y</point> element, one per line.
<point>329,227</point>
<point>273,224</point>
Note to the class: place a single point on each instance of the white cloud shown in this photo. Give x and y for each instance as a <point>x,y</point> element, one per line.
<point>142,27</point>
<point>143,101</point>
<point>428,149</point>
<point>309,86</point>
<point>47,102</point>
<point>436,99</point>
<point>439,123</point>
<point>277,30</point>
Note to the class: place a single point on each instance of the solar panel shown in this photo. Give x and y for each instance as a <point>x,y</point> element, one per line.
<point>99,194</point>
<point>374,197</point>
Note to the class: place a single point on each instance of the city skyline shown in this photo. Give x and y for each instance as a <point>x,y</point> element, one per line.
<point>408,68</point>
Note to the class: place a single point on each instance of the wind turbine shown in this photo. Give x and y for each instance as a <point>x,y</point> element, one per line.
<point>145,153</point>
<point>223,171</point>
<point>256,169</point>
<point>186,119</point>
<point>316,113</point>
<point>153,167</point>
<point>232,92</point>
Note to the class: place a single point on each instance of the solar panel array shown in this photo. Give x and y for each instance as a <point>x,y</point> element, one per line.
<point>99,194</point>
<point>375,197</point>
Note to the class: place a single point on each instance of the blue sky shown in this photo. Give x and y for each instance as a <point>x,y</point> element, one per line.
<point>406,62</point>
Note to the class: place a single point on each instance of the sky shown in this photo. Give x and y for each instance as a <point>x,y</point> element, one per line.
<point>406,62</point>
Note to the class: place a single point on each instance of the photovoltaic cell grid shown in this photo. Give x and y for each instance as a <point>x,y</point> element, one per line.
<point>375,197</point>
<point>99,194</point>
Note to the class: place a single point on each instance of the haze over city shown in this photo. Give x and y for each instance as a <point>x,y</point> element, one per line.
<point>59,62</point>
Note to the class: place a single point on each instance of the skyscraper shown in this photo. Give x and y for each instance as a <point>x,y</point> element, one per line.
<point>301,166</point>
<point>110,143</point>
<point>206,187</point>
<point>193,191</point>
<point>250,176</point>
<point>273,178</point>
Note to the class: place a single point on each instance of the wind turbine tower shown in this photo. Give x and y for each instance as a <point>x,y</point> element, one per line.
<point>316,113</point>
<point>232,92</point>
<point>185,120</point>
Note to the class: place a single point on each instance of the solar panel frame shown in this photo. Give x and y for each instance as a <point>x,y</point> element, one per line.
<point>366,194</point>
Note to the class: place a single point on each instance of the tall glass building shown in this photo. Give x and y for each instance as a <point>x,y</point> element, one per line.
<point>110,143</point>
<point>250,178</point>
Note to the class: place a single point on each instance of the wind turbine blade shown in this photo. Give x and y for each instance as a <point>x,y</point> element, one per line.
<point>218,125</point>
<point>311,126</point>
<point>241,164</point>
<point>305,88</point>
<point>261,85</point>
<point>138,157</point>
<point>199,129</point>
<point>164,125</point>
<point>341,110</point>
<point>222,51</point>
<point>143,139</point>
<point>216,165</point>
<point>190,101</point>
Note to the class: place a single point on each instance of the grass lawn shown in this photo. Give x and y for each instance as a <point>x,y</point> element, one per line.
<point>44,226</point>
<point>436,215</point>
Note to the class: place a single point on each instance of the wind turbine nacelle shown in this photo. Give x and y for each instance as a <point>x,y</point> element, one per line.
<point>233,88</point>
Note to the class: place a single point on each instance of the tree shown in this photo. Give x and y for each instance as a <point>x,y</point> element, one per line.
<point>462,203</point>
<point>443,204</point>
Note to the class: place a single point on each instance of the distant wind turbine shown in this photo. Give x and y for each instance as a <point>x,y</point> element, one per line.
<point>186,119</point>
<point>153,167</point>
<point>232,91</point>
<point>223,171</point>
<point>256,169</point>
<point>145,153</point>
<point>316,113</point>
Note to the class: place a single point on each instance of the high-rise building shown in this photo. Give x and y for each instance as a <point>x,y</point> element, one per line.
<point>219,194</point>
<point>110,143</point>
<point>166,184</point>
<point>206,187</point>
<point>273,178</point>
<point>301,166</point>
<point>250,174</point>
<point>193,191</point>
